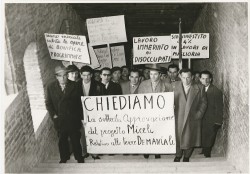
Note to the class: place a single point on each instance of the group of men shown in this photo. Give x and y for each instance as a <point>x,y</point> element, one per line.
<point>198,104</point>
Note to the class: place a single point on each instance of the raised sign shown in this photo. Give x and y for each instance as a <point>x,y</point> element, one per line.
<point>151,50</point>
<point>136,123</point>
<point>194,45</point>
<point>106,30</point>
<point>67,47</point>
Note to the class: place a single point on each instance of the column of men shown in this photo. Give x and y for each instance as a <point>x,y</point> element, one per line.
<point>198,104</point>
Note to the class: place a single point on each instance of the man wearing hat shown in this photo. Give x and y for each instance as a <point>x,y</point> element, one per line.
<point>73,73</point>
<point>63,103</point>
<point>154,85</point>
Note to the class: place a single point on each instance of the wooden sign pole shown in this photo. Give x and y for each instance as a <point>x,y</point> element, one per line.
<point>110,55</point>
<point>180,45</point>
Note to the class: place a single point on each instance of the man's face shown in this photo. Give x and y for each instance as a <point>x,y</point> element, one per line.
<point>97,76</point>
<point>146,74</point>
<point>106,76</point>
<point>86,76</point>
<point>62,78</point>
<point>172,73</point>
<point>125,72</point>
<point>73,76</point>
<point>154,75</point>
<point>163,76</point>
<point>197,77</point>
<point>116,75</point>
<point>186,78</point>
<point>205,80</point>
<point>134,78</point>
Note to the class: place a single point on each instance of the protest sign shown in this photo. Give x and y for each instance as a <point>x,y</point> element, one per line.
<point>103,57</point>
<point>67,47</point>
<point>136,123</point>
<point>151,50</point>
<point>106,30</point>
<point>118,56</point>
<point>94,61</point>
<point>194,45</point>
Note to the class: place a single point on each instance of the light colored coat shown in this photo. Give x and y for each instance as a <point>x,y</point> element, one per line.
<point>146,87</point>
<point>188,114</point>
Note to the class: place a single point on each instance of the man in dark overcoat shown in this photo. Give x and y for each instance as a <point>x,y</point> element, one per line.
<point>189,105</point>
<point>212,120</point>
<point>63,103</point>
<point>111,87</point>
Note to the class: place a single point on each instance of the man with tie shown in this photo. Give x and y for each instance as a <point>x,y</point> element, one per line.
<point>63,102</point>
<point>212,120</point>
<point>111,87</point>
<point>131,86</point>
<point>190,104</point>
<point>154,85</point>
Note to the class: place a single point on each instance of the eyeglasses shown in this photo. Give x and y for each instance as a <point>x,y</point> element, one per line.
<point>106,74</point>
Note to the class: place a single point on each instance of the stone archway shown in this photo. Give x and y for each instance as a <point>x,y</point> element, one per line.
<point>34,85</point>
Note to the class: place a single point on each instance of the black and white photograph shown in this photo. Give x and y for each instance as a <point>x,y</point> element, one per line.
<point>124,87</point>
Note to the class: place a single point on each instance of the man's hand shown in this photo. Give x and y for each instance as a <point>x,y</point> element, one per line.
<point>83,123</point>
<point>55,116</point>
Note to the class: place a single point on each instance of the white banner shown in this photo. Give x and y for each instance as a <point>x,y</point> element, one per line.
<point>67,47</point>
<point>106,30</point>
<point>118,56</point>
<point>136,123</point>
<point>194,45</point>
<point>94,61</point>
<point>151,50</point>
<point>103,57</point>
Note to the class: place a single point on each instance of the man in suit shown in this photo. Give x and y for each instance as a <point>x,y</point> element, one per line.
<point>212,120</point>
<point>90,87</point>
<point>189,105</point>
<point>131,86</point>
<point>154,85</point>
<point>173,72</point>
<point>63,103</point>
<point>111,87</point>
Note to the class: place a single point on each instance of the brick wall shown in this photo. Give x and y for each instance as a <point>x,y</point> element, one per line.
<point>227,25</point>
<point>27,24</point>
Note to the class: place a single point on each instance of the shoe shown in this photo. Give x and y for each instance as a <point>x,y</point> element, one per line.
<point>81,160</point>
<point>157,156</point>
<point>146,156</point>
<point>96,157</point>
<point>185,159</point>
<point>62,161</point>
<point>177,159</point>
<point>86,155</point>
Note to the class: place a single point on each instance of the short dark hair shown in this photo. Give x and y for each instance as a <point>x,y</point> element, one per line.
<point>86,69</point>
<point>134,70</point>
<point>97,70</point>
<point>207,73</point>
<point>116,68</point>
<point>125,67</point>
<point>186,70</point>
<point>173,66</point>
<point>105,69</point>
<point>196,72</point>
<point>72,68</point>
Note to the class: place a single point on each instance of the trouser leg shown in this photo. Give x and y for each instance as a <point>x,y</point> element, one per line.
<point>188,152</point>
<point>63,145</point>
<point>83,141</point>
<point>75,140</point>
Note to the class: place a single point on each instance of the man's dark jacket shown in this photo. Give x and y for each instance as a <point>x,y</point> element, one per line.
<point>113,89</point>
<point>67,106</point>
<point>96,88</point>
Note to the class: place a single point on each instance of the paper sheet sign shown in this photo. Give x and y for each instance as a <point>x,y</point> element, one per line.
<point>136,123</point>
<point>67,47</point>
<point>106,30</point>
<point>151,50</point>
<point>194,45</point>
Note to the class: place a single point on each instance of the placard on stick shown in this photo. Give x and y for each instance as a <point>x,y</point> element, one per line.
<point>151,50</point>
<point>113,125</point>
<point>67,47</point>
<point>194,45</point>
<point>106,30</point>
